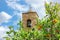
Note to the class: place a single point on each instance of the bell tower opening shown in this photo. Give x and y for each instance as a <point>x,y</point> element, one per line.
<point>29,19</point>
<point>28,23</point>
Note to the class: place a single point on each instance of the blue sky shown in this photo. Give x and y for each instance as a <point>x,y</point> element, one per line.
<point>11,12</point>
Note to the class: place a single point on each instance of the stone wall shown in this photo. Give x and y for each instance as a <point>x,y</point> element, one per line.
<point>29,15</point>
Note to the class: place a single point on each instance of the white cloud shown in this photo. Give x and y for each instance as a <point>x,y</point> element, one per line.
<point>54,1</point>
<point>34,1</point>
<point>13,0</point>
<point>16,6</point>
<point>4,17</point>
<point>38,6</point>
<point>3,31</point>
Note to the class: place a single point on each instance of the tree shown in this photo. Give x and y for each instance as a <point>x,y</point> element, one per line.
<point>53,20</point>
<point>46,29</point>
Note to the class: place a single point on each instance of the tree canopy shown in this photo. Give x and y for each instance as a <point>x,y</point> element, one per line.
<point>46,29</point>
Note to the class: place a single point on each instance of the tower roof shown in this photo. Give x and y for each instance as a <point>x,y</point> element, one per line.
<point>31,11</point>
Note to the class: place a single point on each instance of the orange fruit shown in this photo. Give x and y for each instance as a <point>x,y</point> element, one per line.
<point>55,21</point>
<point>48,35</point>
<point>39,27</point>
<point>57,30</point>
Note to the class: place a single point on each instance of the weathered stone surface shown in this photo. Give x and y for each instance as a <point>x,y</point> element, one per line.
<point>29,15</point>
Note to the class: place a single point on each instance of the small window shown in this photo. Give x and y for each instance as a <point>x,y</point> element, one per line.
<point>28,23</point>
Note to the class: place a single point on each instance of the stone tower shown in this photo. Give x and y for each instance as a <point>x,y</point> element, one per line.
<point>29,19</point>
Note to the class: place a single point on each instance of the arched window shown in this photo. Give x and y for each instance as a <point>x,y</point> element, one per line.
<point>28,23</point>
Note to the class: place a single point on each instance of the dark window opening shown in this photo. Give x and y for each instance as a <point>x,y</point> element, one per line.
<point>28,23</point>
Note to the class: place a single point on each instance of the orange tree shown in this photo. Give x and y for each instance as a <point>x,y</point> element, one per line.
<point>20,34</point>
<point>52,22</point>
<point>46,29</point>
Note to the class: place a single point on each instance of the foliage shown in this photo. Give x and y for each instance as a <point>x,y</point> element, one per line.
<point>46,29</point>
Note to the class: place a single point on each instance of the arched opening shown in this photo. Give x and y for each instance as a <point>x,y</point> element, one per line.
<point>28,23</point>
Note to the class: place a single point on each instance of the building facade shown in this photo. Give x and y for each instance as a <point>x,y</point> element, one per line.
<point>29,19</point>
